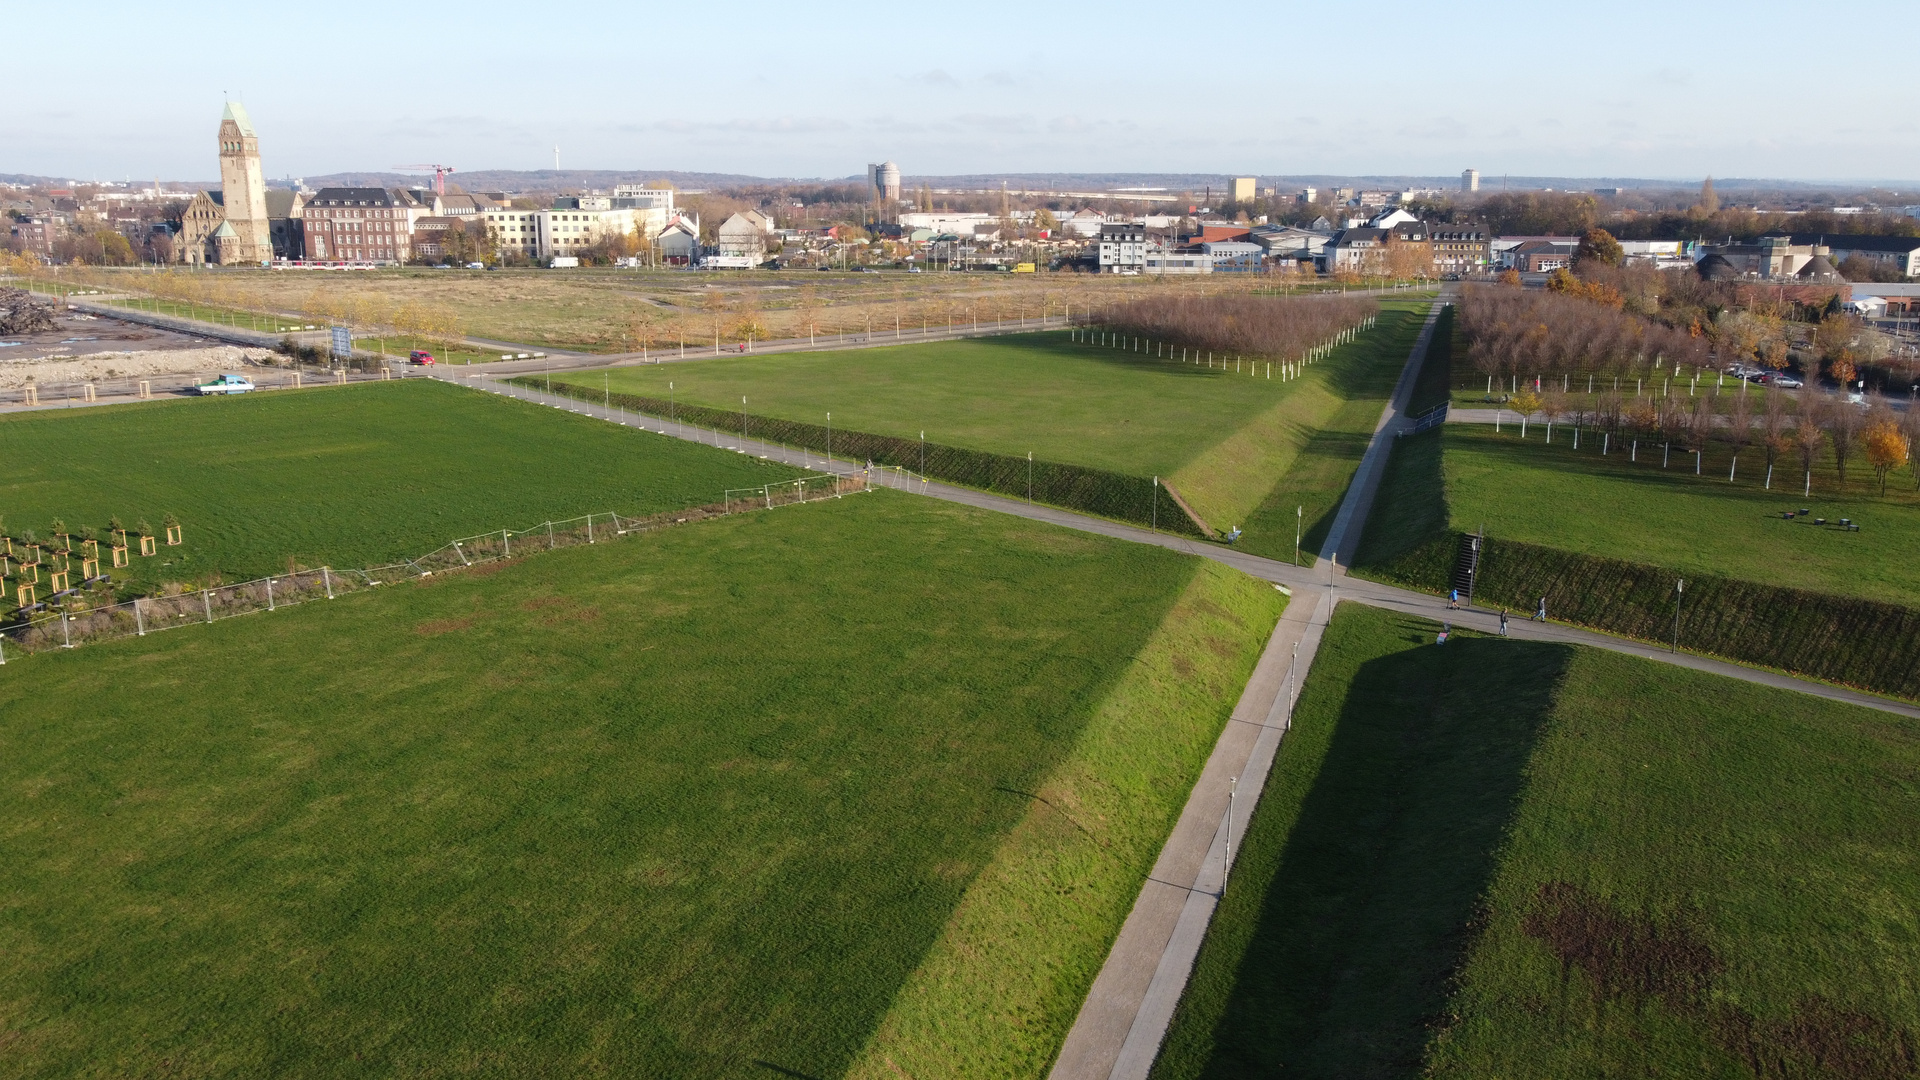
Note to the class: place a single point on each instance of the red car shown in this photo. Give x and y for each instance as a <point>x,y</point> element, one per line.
<point>420,356</point>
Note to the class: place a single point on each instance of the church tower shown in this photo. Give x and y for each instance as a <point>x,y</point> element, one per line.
<point>243,189</point>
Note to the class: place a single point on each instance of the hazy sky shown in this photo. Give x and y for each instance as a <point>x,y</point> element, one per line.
<point>114,90</point>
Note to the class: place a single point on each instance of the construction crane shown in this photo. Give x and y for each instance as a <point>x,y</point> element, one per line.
<point>439,175</point>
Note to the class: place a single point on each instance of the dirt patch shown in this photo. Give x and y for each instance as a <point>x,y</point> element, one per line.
<point>583,615</point>
<point>436,627</point>
<point>539,602</point>
<point>99,366</point>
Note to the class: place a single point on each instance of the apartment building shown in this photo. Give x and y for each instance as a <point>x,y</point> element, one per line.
<point>356,224</point>
<point>513,230</point>
<point>575,223</point>
<point>1123,248</point>
<point>1461,249</point>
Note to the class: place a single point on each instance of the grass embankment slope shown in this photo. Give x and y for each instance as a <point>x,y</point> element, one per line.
<point>1580,501</point>
<point>344,476</point>
<point>1221,438</point>
<point>1502,858</point>
<point>714,801</point>
<point>1329,439</point>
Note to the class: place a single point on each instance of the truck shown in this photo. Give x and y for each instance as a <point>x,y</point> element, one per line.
<point>225,384</point>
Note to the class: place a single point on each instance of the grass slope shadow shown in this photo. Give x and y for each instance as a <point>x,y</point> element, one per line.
<point>1322,474</point>
<point>1358,892</point>
<point>1411,512</point>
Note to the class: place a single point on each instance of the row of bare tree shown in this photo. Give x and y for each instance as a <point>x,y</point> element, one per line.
<point>1778,422</point>
<point>1275,328</point>
<point>1517,332</point>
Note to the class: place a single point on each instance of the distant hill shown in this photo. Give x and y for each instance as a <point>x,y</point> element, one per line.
<point>559,180</point>
<point>1201,181</point>
<point>543,179</point>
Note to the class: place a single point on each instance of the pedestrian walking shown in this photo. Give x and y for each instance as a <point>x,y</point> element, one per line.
<point>1540,613</point>
<point>1503,622</point>
<point>1453,599</point>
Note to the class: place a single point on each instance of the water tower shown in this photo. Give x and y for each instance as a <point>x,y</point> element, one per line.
<point>885,178</point>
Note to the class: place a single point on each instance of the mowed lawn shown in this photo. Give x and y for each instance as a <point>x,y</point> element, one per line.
<point>344,476</point>
<point>1641,512</point>
<point>1504,858</point>
<point>745,798</point>
<point>1107,408</point>
<point>1225,439</point>
<point>1332,441</point>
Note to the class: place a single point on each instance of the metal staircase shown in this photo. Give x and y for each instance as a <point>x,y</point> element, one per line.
<point>1466,567</point>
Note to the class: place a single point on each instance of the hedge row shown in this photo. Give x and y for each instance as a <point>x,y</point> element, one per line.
<point>1075,487</point>
<point>1863,643</point>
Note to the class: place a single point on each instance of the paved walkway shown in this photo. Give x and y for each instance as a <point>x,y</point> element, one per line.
<point>1124,1020</point>
<point>1131,1003</point>
<point>1295,578</point>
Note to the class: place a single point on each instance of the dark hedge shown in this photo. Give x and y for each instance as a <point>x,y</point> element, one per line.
<point>1863,643</point>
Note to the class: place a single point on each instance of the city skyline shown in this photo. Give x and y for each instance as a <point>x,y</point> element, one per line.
<point>1069,91</point>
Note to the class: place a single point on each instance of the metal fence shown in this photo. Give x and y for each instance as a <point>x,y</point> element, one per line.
<point>74,618</point>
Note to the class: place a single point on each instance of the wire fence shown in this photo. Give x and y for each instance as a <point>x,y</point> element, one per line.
<point>82,616</point>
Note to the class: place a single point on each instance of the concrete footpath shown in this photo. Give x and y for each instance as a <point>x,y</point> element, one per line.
<point>1125,1018</point>
<point>1131,1004</point>
<point>1298,579</point>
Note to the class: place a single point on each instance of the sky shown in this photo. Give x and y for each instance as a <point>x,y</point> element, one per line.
<point>1631,89</point>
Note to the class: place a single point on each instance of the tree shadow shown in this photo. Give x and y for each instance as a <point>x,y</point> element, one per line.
<point>1370,905</point>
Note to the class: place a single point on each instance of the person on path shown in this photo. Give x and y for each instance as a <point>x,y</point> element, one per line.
<point>1503,622</point>
<point>1453,599</point>
<point>1540,614</point>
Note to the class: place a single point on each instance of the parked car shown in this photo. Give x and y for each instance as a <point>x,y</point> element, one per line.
<point>421,357</point>
<point>1782,380</point>
<point>225,384</point>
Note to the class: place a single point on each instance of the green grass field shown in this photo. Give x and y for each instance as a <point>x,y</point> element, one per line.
<point>1513,859</point>
<point>1641,512</point>
<point>1310,491</point>
<point>348,476</point>
<point>717,800</point>
<point>1223,439</point>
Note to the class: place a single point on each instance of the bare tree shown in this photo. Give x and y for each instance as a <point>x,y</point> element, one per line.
<point>1739,428</point>
<point>1910,427</point>
<point>1844,422</point>
<point>1807,434</point>
<point>1775,433</point>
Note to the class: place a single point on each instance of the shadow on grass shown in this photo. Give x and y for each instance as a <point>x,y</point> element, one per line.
<point>1410,509</point>
<point>1374,376</point>
<point>784,1071</point>
<point>1370,902</point>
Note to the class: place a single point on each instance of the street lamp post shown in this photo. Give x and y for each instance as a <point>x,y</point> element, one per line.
<point>1679,589</point>
<point>1233,790</point>
<point>1299,517</point>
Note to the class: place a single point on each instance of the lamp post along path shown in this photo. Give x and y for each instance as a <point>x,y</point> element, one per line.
<point>1679,590</point>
